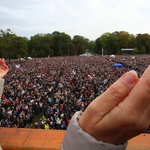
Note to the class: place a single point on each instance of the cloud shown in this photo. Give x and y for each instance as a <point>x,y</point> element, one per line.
<point>87,18</point>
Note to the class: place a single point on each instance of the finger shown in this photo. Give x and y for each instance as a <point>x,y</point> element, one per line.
<point>139,97</point>
<point>2,62</point>
<point>5,66</point>
<point>115,94</point>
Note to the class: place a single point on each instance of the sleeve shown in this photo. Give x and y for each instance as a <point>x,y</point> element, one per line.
<point>76,139</point>
<point>1,87</point>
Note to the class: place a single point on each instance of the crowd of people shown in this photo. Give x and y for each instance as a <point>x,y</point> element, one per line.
<point>57,87</point>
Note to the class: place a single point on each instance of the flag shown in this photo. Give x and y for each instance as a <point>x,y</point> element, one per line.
<point>90,77</point>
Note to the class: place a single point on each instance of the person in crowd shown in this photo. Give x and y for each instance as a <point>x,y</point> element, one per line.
<point>67,86</point>
<point>57,87</point>
<point>114,117</point>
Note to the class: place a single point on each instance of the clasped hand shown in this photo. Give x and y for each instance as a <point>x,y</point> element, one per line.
<point>3,68</point>
<point>121,112</point>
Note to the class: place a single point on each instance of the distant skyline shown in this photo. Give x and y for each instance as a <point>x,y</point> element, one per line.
<point>88,18</point>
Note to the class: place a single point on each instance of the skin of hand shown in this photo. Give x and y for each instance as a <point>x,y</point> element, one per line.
<point>121,112</point>
<point>3,68</point>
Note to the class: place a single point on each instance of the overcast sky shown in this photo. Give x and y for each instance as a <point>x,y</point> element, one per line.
<point>89,18</point>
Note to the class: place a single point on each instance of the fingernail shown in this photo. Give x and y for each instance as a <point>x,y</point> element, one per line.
<point>130,77</point>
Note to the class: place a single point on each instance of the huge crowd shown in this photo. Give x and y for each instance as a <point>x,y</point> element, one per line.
<point>57,87</point>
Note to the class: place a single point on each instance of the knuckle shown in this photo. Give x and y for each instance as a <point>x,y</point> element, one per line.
<point>116,91</point>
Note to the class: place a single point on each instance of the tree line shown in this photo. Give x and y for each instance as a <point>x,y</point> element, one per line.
<point>61,44</point>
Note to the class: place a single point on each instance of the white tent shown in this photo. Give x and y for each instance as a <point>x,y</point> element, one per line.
<point>86,54</point>
<point>112,56</point>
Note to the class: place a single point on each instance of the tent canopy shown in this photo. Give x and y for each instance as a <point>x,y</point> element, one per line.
<point>112,56</point>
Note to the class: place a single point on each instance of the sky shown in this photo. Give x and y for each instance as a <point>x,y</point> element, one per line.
<point>88,18</point>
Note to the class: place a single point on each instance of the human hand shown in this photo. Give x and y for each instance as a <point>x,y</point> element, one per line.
<point>3,68</point>
<point>120,113</point>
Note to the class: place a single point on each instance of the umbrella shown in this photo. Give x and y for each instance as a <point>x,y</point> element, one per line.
<point>118,65</point>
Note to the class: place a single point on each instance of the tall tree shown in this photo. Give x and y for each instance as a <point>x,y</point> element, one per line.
<point>80,44</point>
<point>132,41</point>
<point>110,43</point>
<point>104,39</point>
<point>143,40</point>
<point>62,43</point>
<point>35,44</point>
<point>98,46</point>
<point>124,39</point>
<point>91,46</point>
<point>42,44</point>
<point>20,47</point>
<point>113,44</point>
<point>6,43</point>
<point>12,46</point>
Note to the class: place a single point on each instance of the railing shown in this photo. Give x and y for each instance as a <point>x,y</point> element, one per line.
<point>40,139</point>
<point>30,139</point>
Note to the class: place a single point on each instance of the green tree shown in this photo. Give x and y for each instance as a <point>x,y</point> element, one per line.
<point>143,40</point>
<point>35,44</point>
<point>132,41</point>
<point>80,44</point>
<point>109,42</point>
<point>48,44</point>
<point>113,44</point>
<point>62,42</point>
<point>42,44</point>
<point>91,46</point>
<point>33,53</point>
<point>98,46</point>
<point>143,50</point>
<point>60,53</point>
<point>6,42</point>
<point>12,46</point>
<point>135,51</point>
<point>104,42</point>
<point>124,39</point>
<point>20,47</point>
<point>73,50</point>
<point>50,52</point>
